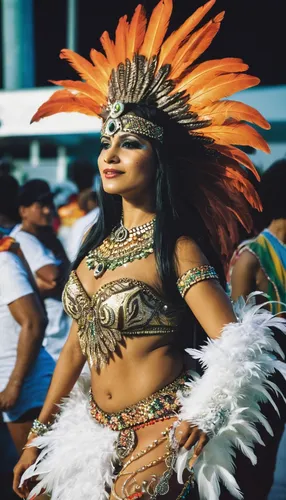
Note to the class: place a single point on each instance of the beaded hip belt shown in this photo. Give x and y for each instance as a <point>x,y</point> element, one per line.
<point>161,405</point>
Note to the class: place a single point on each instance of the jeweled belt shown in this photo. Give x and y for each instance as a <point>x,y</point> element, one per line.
<point>161,405</point>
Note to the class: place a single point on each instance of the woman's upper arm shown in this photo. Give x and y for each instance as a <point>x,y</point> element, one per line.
<point>72,343</point>
<point>206,298</point>
<point>243,275</point>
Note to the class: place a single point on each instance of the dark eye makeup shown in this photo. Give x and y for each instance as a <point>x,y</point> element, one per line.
<point>125,143</point>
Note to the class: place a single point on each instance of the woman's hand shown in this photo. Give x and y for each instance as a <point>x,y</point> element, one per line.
<point>9,396</point>
<point>28,458</point>
<point>189,435</point>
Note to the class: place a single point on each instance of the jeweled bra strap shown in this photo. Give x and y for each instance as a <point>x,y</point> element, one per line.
<point>195,275</point>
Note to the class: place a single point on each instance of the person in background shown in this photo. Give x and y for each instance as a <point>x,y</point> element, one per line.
<point>26,368</point>
<point>259,264</point>
<point>9,215</point>
<point>81,173</point>
<point>36,211</point>
<point>89,203</point>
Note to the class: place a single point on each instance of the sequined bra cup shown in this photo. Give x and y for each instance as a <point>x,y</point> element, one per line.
<point>123,307</point>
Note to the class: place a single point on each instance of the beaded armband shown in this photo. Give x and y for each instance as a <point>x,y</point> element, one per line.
<point>195,275</point>
<point>38,428</point>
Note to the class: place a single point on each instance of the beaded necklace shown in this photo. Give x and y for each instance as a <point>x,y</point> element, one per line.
<point>122,246</point>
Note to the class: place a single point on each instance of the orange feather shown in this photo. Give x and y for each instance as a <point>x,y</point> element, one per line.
<point>108,47</point>
<point>157,28</point>
<point>236,133</point>
<point>137,31</point>
<point>83,67</point>
<point>100,62</point>
<point>237,155</point>
<point>222,86</point>
<point>173,42</point>
<point>121,36</point>
<point>207,71</point>
<point>83,88</point>
<point>221,111</point>
<point>195,46</point>
<point>63,101</point>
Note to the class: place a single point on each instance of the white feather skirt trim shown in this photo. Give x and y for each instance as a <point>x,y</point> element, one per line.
<point>77,454</point>
<point>225,401</point>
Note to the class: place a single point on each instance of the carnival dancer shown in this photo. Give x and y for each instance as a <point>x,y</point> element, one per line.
<point>173,189</point>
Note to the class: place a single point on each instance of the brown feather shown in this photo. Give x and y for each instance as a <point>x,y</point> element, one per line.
<point>157,28</point>
<point>137,31</point>
<point>83,88</point>
<point>195,46</point>
<point>221,111</point>
<point>222,86</point>
<point>121,36</point>
<point>109,49</point>
<point>63,101</point>
<point>237,134</point>
<point>207,71</point>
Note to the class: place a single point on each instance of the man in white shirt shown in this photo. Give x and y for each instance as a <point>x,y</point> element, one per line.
<point>36,210</point>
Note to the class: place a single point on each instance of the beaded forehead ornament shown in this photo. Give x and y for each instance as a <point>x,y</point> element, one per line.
<point>142,66</point>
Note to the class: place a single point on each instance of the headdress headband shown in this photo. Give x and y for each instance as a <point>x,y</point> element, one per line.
<point>141,66</point>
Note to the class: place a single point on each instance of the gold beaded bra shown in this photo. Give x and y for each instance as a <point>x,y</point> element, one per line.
<point>123,307</point>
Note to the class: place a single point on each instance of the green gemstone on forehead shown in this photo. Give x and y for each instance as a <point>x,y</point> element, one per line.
<point>111,126</point>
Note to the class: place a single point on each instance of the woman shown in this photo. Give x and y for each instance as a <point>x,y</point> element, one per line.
<point>144,273</point>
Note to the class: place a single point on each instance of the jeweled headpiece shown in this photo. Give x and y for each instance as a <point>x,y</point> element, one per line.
<point>142,67</point>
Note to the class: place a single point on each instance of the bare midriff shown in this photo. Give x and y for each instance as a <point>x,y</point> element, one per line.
<point>141,367</point>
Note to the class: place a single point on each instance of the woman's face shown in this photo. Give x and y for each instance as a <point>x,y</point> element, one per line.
<point>126,164</point>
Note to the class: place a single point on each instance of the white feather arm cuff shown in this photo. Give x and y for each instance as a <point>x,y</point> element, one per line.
<point>224,402</point>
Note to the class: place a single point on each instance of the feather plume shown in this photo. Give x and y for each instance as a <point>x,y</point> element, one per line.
<point>63,101</point>
<point>121,36</point>
<point>100,62</point>
<point>221,111</point>
<point>208,70</point>
<point>109,49</point>
<point>237,155</point>
<point>83,88</point>
<point>157,28</point>
<point>197,44</point>
<point>84,68</point>
<point>222,86</point>
<point>236,133</point>
<point>137,32</point>
<point>173,42</point>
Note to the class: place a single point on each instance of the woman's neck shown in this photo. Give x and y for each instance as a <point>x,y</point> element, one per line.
<point>278,228</point>
<point>136,215</point>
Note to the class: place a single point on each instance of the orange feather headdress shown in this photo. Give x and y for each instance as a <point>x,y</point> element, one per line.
<point>141,66</point>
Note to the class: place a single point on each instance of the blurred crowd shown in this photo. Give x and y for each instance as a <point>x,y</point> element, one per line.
<point>41,230</point>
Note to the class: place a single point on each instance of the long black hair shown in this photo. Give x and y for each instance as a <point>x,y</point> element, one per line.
<point>176,216</point>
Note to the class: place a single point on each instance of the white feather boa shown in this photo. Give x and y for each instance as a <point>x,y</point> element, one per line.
<point>77,453</point>
<point>224,402</point>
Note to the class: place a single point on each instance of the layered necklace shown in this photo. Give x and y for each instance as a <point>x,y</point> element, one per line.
<point>122,246</point>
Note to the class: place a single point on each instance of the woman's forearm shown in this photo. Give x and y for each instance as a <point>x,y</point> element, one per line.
<point>67,371</point>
